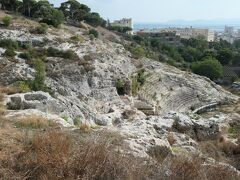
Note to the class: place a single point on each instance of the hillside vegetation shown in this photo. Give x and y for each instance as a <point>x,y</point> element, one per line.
<point>187,54</point>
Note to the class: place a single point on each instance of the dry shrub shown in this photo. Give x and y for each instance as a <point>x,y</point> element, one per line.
<point>211,149</point>
<point>85,127</point>
<point>171,138</point>
<point>222,150</point>
<point>183,167</point>
<point>8,90</point>
<point>2,110</point>
<point>35,122</point>
<point>45,156</point>
<point>1,97</point>
<point>228,146</point>
<point>59,155</point>
<point>55,155</point>
<point>3,120</point>
<point>220,172</point>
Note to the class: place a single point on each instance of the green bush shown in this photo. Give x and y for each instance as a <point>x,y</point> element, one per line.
<point>26,55</point>
<point>77,121</point>
<point>7,20</point>
<point>68,54</point>
<point>53,52</point>
<point>26,46</point>
<point>38,83</point>
<point>9,53</point>
<point>120,29</point>
<point>141,77</point>
<point>209,67</point>
<point>92,37</point>
<point>22,86</point>
<point>77,38</point>
<point>138,81</point>
<point>94,33</point>
<point>138,52</point>
<point>120,87</point>
<point>8,44</point>
<point>135,86</point>
<point>42,29</point>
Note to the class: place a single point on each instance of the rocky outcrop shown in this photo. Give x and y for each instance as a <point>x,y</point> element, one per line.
<point>156,122</point>
<point>170,89</point>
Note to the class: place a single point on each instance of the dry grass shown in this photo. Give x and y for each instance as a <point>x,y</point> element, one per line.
<point>35,122</point>
<point>55,155</point>
<point>84,127</point>
<point>171,138</point>
<point>8,90</point>
<point>183,167</point>
<point>222,151</point>
<point>59,155</point>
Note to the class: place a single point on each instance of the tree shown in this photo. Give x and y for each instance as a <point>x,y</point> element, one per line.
<point>55,18</point>
<point>72,9</point>
<point>190,54</point>
<point>95,19</point>
<point>237,43</point>
<point>75,11</point>
<point>28,6</point>
<point>225,56</point>
<point>42,9</point>
<point>209,67</point>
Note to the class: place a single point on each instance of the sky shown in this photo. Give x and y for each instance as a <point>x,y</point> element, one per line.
<point>156,11</point>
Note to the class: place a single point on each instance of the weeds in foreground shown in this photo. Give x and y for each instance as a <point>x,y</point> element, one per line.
<point>58,155</point>
<point>35,122</point>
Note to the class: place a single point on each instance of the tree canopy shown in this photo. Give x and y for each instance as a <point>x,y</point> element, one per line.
<point>47,13</point>
<point>209,67</point>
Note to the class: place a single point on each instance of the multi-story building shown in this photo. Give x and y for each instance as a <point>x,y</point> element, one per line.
<point>229,34</point>
<point>186,33</point>
<point>229,30</point>
<point>125,22</point>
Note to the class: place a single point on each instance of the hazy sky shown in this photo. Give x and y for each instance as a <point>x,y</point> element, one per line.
<point>163,10</point>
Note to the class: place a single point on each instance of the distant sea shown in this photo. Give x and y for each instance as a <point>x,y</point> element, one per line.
<point>218,28</point>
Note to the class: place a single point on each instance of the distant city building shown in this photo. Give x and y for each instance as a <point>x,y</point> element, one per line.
<point>229,30</point>
<point>228,38</point>
<point>229,34</point>
<point>184,33</point>
<point>187,33</point>
<point>125,22</point>
<point>238,33</point>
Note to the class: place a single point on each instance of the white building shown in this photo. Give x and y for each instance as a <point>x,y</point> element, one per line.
<point>187,33</point>
<point>123,22</point>
<point>229,30</point>
<point>229,34</point>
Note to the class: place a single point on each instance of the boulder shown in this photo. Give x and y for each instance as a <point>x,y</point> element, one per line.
<point>183,123</point>
<point>35,97</point>
<point>206,129</point>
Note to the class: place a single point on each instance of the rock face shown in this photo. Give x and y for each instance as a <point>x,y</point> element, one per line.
<point>168,88</point>
<point>153,122</point>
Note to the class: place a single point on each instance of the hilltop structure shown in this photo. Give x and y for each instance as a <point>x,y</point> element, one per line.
<point>125,22</point>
